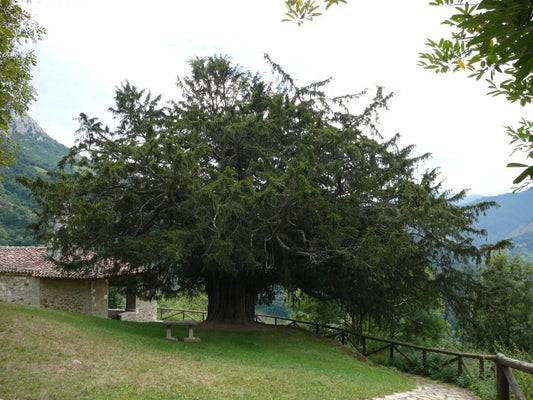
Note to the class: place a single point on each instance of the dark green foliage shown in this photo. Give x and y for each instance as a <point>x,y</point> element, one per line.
<point>36,154</point>
<point>500,306</point>
<point>425,325</point>
<point>245,184</point>
<point>14,219</point>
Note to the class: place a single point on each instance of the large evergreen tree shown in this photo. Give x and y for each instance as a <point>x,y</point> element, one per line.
<point>244,184</point>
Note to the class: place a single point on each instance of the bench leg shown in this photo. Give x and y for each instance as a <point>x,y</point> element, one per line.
<point>191,338</point>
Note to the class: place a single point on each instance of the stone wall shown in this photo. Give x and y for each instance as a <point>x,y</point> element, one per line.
<point>19,289</point>
<point>99,294</point>
<point>78,295</point>
<point>145,311</point>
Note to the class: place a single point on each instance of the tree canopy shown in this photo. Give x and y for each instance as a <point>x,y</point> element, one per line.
<point>16,29</point>
<point>244,184</point>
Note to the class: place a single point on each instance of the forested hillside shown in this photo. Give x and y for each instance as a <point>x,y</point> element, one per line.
<point>512,220</point>
<point>37,154</point>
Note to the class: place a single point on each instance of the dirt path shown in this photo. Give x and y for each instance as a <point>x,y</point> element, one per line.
<point>431,390</point>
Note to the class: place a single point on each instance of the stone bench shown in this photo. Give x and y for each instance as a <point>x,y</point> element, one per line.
<point>188,323</point>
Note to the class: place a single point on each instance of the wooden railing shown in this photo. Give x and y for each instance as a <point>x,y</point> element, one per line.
<point>174,313</point>
<point>360,343</point>
<point>505,381</point>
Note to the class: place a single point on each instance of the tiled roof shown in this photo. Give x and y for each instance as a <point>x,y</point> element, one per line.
<point>34,261</point>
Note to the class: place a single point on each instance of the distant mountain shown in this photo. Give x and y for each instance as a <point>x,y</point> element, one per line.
<point>513,219</point>
<point>37,154</point>
<point>471,198</point>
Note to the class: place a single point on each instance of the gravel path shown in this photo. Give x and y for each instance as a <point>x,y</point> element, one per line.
<point>432,390</point>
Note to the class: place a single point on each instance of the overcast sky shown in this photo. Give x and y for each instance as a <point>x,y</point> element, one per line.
<point>92,46</point>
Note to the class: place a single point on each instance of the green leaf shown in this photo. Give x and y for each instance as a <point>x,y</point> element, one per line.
<point>525,174</point>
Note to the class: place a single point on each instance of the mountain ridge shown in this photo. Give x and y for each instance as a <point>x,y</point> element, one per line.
<point>37,154</point>
<point>512,219</point>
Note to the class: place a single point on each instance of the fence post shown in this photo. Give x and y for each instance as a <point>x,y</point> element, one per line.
<point>364,346</point>
<point>501,382</point>
<point>482,368</point>
<point>459,366</point>
<point>425,361</point>
<point>391,353</point>
<point>343,338</point>
<point>316,329</point>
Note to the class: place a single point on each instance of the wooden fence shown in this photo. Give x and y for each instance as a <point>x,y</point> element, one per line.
<point>174,313</point>
<point>505,381</point>
<point>361,344</point>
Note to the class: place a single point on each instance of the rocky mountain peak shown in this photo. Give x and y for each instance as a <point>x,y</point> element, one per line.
<point>26,126</point>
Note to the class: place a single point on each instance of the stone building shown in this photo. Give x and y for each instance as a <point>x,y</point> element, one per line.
<point>28,276</point>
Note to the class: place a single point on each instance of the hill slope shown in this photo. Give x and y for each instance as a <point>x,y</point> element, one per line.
<point>52,354</point>
<point>512,220</point>
<point>37,154</point>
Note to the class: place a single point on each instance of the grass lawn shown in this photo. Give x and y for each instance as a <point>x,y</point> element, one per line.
<point>127,360</point>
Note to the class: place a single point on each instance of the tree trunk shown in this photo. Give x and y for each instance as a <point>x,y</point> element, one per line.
<point>230,301</point>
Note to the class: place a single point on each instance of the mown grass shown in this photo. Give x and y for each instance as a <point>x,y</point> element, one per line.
<point>125,360</point>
